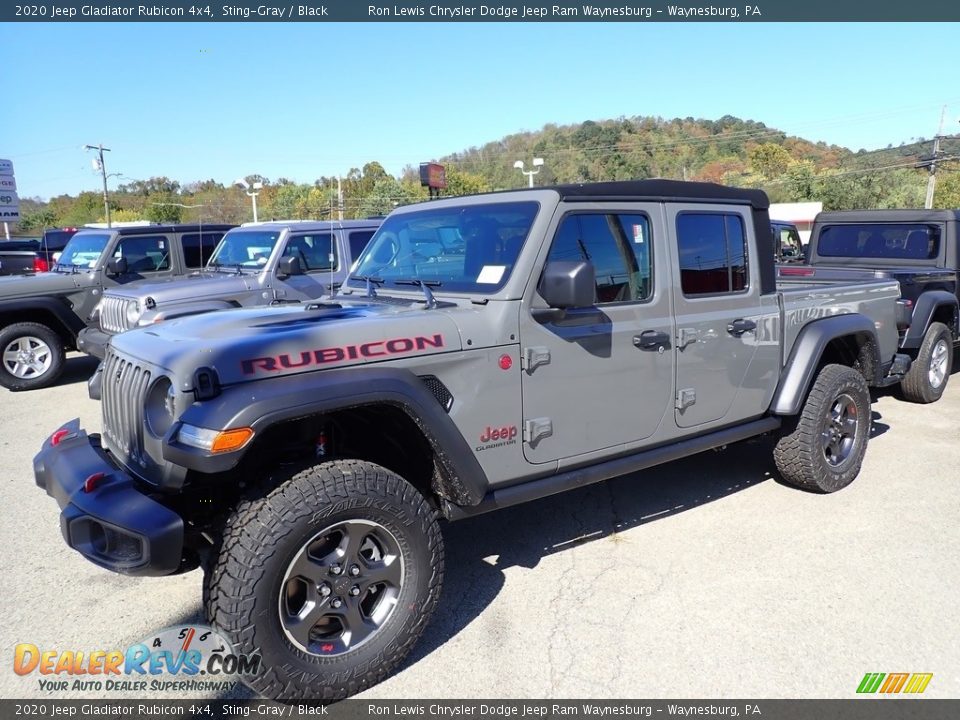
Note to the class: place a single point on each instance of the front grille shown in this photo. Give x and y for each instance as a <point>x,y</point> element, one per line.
<point>113,314</point>
<point>124,388</point>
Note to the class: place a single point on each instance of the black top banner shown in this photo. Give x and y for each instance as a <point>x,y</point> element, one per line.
<point>471,11</point>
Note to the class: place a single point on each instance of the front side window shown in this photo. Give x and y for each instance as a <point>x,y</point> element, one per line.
<point>617,245</point>
<point>713,253</point>
<point>245,249</point>
<point>317,251</point>
<point>83,250</point>
<point>901,242</point>
<point>144,253</point>
<point>461,248</point>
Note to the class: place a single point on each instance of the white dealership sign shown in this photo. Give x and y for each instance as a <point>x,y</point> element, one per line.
<point>9,202</point>
<point>9,206</point>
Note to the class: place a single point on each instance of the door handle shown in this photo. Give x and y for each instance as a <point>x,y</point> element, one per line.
<point>652,340</point>
<point>739,327</point>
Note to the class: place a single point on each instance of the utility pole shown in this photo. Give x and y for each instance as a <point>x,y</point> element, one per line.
<point>339,200</point>
<point>103,172</point>
<point>932,181</point>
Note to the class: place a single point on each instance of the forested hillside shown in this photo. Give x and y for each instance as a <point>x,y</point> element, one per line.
<point>729,151</point>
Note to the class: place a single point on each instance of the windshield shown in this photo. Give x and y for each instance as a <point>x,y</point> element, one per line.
<point>84,250</point>
<point>470,248</point>
<point>245,248</point>
<point>904,242</point>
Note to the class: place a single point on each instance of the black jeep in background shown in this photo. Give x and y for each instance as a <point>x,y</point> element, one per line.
<point>918,248</point>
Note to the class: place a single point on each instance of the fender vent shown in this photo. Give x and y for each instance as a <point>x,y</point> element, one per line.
<point>439,391</point>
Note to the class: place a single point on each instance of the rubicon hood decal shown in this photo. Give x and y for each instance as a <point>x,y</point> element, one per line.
<point>336,354</point>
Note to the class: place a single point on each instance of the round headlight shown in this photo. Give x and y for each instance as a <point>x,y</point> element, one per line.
<point>133,313</point>
<point>161,407</point>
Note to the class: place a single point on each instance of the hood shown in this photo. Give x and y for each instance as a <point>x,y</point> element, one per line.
<point>256,343</point>
<point>47,283</point>
<point>185,287</point>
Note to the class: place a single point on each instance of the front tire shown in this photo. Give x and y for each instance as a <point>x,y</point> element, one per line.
<point>31,356</point>
<point>332,577</point>
<point>822,449</point>
<point>928,375</point>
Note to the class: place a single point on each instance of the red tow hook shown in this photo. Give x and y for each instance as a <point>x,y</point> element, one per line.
<point>59,436</point>
<point>90,484</point>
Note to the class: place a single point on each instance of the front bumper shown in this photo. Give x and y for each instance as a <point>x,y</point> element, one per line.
<point>115,525</point>
<point>93,341</point>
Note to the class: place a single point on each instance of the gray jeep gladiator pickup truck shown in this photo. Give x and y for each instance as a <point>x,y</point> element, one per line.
<point>268,263</point>
<point>485,351</point>
<point>920,249</point>
<point>41,315</point>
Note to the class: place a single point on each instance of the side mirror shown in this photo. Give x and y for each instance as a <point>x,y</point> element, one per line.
<point>289,265</point>
<point>566,284</point>
<point>117,266</point>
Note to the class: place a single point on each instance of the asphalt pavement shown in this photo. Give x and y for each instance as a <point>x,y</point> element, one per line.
<point>704,578</point>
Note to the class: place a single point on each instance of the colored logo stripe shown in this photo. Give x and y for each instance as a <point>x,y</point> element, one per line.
<point>918,683</point>
<point>894,683</point>
<point>870,682</point>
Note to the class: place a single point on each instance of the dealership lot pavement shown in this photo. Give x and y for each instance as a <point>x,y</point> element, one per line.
<point>703,578</point>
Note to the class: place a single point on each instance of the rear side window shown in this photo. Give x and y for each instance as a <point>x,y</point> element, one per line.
<point>198,248</point>
<point>619,248</point>
<point>713,253</point>
<point>317,251</point>
<point>358,241</point>
<point>903,242</point>
<point>144,253</point>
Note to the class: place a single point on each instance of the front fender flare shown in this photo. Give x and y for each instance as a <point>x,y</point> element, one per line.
<point>264,403</point>
<point>798,373</point>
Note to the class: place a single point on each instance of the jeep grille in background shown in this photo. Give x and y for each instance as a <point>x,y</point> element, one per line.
<point>124,388</point>
<point>113,314</point>
<point>439,391</point>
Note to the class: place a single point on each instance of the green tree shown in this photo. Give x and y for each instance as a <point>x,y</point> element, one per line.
<point>770,160</point>
<point>164,209</point>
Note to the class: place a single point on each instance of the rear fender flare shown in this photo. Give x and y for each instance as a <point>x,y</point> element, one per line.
<point>927,304</point>
<point>805,356</point>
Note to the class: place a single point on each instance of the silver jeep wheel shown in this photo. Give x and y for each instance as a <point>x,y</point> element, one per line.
<point>27,357</point>
<point>937,372</point>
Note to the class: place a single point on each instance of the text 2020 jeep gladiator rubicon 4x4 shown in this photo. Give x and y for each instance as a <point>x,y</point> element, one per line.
<point>486,351</point>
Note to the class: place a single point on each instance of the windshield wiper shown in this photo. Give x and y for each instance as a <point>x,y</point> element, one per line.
<point>424,285</point>
<point>370,280</point>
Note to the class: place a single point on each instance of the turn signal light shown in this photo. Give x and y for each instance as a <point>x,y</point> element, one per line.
<point>231,440</point>
<point>91,482</point>
<point>59,436</point>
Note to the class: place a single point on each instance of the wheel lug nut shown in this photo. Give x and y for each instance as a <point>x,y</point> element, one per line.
<point>336,569</point>
<point>354,570</point>
<point>354,591</point>
<point>336,604</point>
<point>324,590</point>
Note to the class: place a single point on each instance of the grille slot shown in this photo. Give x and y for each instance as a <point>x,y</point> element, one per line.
<point>438,390</point>
<point>124,388</point>
<point>113,314</point>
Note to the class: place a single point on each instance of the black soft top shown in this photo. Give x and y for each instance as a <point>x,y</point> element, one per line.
<point>917,215</point>
<point>675,190</point>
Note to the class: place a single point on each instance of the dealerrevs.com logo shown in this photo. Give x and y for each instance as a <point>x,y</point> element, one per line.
<point>894,683</point>
<point>183,658</point>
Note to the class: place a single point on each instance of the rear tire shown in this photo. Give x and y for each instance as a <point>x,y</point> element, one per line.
<point>928,375</point>
<point>822,448</point>
<point>331,577</point>
<point>31,356</point>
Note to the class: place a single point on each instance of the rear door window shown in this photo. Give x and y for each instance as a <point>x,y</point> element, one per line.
<point>144,253</point>
<point>197,248</point>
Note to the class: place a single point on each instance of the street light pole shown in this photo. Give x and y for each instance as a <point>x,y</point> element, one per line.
<point>251,193</point>
<point>103,172</point>
<point>537,162</point>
